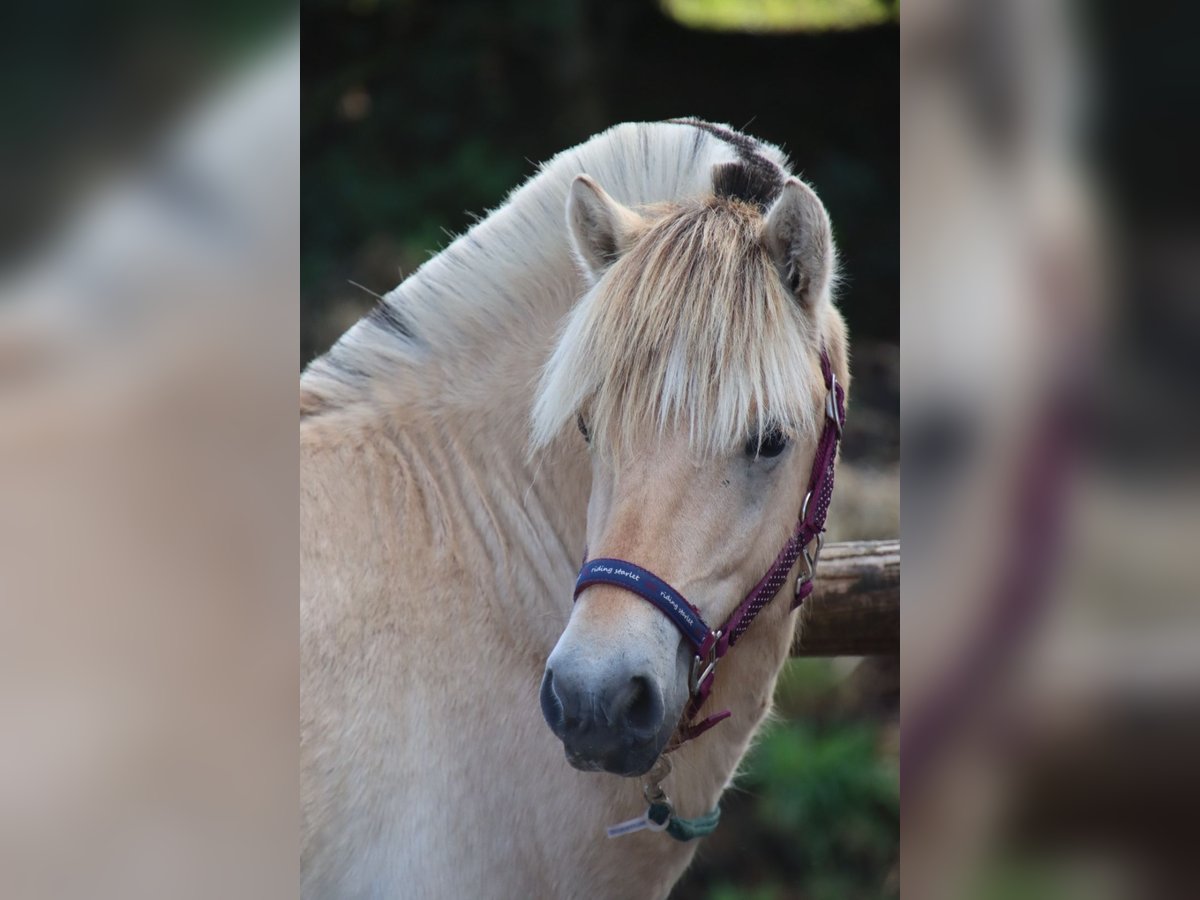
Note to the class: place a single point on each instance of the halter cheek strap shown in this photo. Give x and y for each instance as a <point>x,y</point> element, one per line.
<point>711,644</point>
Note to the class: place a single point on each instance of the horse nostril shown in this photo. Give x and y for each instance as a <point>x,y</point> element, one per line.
<point>596,720</point>
<point>642,710</point>
<point>552,708</point>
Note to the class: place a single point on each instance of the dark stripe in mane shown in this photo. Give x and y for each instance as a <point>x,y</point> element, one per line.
<point>339,365</point>
<point>750,184</point>
<point>753,179</point>
<point>745,145</point>
<point>391,320</point>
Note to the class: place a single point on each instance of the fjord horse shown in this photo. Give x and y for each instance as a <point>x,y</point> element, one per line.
<point>642,379</point>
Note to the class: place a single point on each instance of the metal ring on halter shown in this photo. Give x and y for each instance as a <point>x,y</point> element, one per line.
<point>810,561</point>
<point>809,570</point>
<point>831,409</point>
<point>651,825</point>
<point>697,676</point>
<point>804,506</point>
<point>655,794</point>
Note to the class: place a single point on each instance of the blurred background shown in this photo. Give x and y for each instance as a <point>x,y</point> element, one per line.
<point>417,117</point>
<point>1049,284</point>
<point>149,269</point>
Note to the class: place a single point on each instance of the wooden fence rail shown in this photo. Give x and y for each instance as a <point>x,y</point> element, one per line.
<point>854,609</point>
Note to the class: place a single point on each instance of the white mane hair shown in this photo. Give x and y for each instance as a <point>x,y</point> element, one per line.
<point>693,328</point>
<point>693,325</point>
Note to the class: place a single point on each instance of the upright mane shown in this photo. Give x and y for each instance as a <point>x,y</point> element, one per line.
<point>693,328</point>
<point>482,315</point>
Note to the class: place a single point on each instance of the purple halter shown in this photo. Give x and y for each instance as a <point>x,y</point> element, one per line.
<point>709,644</point>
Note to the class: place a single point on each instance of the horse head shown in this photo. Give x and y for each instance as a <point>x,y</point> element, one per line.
<point>692,367</point>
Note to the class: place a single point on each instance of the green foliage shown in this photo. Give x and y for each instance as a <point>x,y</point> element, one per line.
<point>1026,879</point>
<point>830,788</point>
<point>731,892</point>
<point>804,683</point>
<point>781,15</point>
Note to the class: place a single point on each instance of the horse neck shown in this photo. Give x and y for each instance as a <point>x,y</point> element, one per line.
<point>454,363</point>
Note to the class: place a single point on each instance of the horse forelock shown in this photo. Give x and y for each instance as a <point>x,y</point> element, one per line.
<point>692,328</point>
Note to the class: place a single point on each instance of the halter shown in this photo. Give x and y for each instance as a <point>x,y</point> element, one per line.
<point>710,644</point>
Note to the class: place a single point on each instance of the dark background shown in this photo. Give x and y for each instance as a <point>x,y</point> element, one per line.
<point>418,116</point>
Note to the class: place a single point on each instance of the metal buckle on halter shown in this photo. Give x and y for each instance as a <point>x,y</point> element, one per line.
<point>702,668</point>
<point>831,409</point>
<point>811,559</point>
<point>810,564</point>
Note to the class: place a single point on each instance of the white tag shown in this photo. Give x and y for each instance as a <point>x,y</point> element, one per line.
<point>629,826</point>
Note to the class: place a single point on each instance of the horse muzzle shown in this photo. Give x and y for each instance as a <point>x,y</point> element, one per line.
<point>611,721</point>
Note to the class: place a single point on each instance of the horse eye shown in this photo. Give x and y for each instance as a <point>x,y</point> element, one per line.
<point>583,429</point>
<point>773,443</point>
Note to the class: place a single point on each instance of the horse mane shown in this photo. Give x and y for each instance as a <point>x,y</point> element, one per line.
<point>692,325</point>
<point>693,328</point>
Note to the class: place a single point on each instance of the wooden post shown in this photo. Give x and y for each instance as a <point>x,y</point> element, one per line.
<point>854,609</point>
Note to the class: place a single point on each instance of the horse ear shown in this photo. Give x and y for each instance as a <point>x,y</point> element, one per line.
<point>601,228</point>
<point>799,239</point>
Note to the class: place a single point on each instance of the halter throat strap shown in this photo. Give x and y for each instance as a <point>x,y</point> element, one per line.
<point>708,644</point>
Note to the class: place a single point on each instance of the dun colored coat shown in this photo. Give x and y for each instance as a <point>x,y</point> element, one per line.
<point>676,315</point>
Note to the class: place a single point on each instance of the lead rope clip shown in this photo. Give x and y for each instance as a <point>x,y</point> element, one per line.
<point>656,799</point>
<point>660,814</point>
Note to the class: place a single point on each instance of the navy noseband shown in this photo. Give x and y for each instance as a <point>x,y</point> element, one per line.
<point>711,645</point>
<point>650,587</point>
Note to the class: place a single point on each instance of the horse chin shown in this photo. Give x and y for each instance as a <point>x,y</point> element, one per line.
<point>636,771</point>
<point>624,770</point>
<point>632,763</point>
